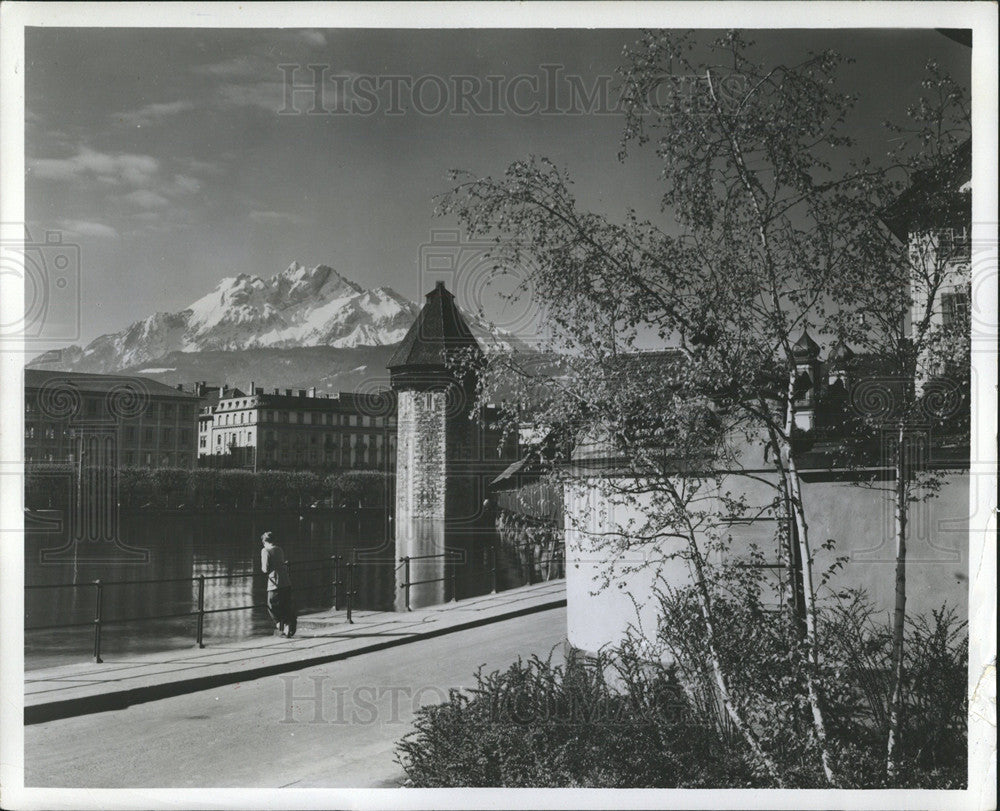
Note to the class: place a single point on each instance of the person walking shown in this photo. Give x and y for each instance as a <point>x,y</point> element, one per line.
<point>280,604</point>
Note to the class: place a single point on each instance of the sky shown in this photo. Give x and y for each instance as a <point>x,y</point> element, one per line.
<point>174,158</point>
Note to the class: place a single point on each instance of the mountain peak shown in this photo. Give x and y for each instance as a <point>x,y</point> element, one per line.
<point>296,307</point>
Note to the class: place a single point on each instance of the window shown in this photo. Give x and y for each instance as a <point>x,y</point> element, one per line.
<point>29,431</point>
<point>185,412</point>
<point>168,411</point>
<point>955,309</point>
<point>129,458</point>
<point>294,416</point>
<point>184,434</point>
<point>167,436</point>
<point>352,420</point>
<point>147,435</point>
<point>201,442</point>
<point>218,439</point>
<point>50,433</point>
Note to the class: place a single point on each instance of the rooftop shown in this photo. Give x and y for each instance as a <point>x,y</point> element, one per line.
<point>102,384</point>
<point>439,330</point>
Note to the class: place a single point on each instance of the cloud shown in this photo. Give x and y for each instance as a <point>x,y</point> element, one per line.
<point>312,37</point>
<point>151,113</point>
<point>269,96</point>
<point>135,170</point>
<point>144,198</point>
<point>274,217</point>
<point>185,184</point>
<point>239,67</point>
<point>89,229</point>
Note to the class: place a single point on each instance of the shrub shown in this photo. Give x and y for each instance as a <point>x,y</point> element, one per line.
<point>47,485</point>
<point>540,724</point>
<point>171,485</point>
<point>370,488</point>
<point>764,662</point>
<point>627,720</point>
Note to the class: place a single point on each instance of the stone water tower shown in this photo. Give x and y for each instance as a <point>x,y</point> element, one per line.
<point>439,481</point>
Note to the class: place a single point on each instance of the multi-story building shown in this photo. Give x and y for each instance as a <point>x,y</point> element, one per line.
<point>297,429</point>
<point>138,422</point>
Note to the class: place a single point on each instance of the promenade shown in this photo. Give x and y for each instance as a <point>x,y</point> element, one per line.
<point>119,682</point>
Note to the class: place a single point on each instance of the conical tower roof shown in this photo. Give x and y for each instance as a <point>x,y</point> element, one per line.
<point>439,331</point>
<point>805,347</point>
<point>840,353</point>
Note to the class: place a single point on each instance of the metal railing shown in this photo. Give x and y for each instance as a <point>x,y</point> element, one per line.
<point>453,576</point>
<point>454,558</point>
<point>100,621</point>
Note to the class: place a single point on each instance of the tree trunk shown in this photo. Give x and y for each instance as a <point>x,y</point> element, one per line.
<point>705,604</point>
<point>899,613</point>
<point>788,473</point>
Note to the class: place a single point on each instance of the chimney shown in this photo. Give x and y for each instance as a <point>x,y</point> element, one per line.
<point>311,392</point>
<point>288,392</point>
<point>302,392</point>
<point>253,388</point>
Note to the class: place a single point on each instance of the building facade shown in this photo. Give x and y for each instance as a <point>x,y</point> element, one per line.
<point>296,429</point>
<point>140,423</point>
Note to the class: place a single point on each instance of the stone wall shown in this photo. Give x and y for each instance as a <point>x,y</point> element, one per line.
<point>859,519</point>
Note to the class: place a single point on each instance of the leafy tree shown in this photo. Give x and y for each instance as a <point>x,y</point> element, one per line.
<point>898,300</point>
<point>764,233</point>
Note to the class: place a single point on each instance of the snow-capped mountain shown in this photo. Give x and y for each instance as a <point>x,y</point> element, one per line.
<point>298,307</point>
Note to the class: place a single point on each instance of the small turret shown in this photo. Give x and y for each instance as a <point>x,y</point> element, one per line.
<point>805,352</point>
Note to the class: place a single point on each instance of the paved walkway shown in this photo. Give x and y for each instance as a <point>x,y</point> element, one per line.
<point>87,687</point>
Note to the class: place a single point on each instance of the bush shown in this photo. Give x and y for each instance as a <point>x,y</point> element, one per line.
<point>370,488</point>
<point>47,485</point>
<point>764,662</point>
<point>539,724</point>
<point>649,725</point>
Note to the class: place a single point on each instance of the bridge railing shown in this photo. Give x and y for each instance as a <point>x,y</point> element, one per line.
<point>99,622</point>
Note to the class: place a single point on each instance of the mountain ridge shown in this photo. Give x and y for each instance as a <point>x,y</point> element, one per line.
<point>298,308</point>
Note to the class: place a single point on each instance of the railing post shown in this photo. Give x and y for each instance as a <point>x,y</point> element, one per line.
<point>454,578</point>
<point>493,569</point>
<point>201,611</point>
<point>336,582</point>
<point>406,582</point>
<point>97,622</point>
<point>350,592</point>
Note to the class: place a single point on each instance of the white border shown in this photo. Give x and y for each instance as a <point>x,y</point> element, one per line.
<point>979,16</point>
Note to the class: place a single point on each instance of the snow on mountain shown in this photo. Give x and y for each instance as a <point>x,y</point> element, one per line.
<point>298,307</point>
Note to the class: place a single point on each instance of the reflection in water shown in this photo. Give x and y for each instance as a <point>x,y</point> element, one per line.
<point>224,548</point>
